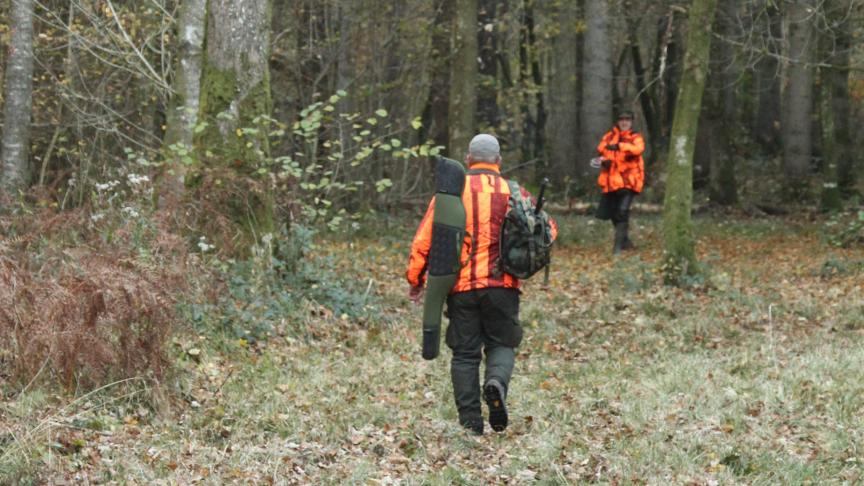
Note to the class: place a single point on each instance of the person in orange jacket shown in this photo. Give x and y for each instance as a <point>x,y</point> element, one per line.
<point>483,306</point>
<point>622,176</point>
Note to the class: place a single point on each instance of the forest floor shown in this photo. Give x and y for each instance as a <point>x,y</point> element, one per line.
<point>750,376</point>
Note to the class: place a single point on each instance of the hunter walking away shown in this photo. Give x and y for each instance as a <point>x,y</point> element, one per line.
<point>632,233</point>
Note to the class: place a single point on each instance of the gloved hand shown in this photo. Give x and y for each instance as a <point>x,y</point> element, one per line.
<point>606,164</point>
<point>612,146</point>
<point>416,294</point>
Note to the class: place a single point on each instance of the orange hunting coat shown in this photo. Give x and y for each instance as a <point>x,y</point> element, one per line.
<point>627,169</point>
<point>486,198</point>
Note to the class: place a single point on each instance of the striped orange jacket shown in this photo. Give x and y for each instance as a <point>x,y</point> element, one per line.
<point>486,198</point>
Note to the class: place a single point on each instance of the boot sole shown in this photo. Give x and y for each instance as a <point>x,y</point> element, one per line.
<point>497,408</point>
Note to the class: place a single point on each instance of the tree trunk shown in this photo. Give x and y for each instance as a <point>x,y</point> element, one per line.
<point>563,128</point>
<point>646,100</point>
<point>463,78</point>
<point>723,188</point>
<point>183,111</point>
<point>531,80</point>
<point>796,125</point>
<point>435,117</point>
<point>679,244</point>
<point>596,84</point>
<point>768,85</point>
<point>488,113</point>
<point>18,94</point>
<point>236,101</point>
<point>841,102</point>
<point>831,199</point>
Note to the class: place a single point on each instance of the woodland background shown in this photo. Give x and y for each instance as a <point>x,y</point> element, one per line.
<point>205,207</point>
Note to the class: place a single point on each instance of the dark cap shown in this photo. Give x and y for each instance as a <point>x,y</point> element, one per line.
<point>626,114</point>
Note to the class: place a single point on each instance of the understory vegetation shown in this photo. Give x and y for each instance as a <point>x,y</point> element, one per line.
<point>262,372</point>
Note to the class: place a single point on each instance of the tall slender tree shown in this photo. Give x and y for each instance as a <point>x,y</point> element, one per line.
<point>831,199</point>
<point>185,103</point>
<point>463,78</point>
<point>18,94</point>
<point>679,243</point>
<point>236,101</point>
<point>798,105</point>
<point>767,78</point>
<point>841,102</point>
<point>488,112</point>
<point>596,112</point>
<point>723,109</point>
<point>562,130</point>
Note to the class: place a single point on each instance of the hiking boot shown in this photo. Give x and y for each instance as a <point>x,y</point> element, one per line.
<point>622,239</point>
<point>473,425</point>
<point>493,393</point>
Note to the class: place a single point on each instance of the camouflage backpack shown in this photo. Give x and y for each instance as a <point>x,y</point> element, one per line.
<point>526,236</point>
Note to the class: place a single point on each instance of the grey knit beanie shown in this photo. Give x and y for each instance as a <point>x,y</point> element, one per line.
<point>484,148</point>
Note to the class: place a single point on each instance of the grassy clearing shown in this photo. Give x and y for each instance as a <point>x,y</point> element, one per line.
<point>750,377</point>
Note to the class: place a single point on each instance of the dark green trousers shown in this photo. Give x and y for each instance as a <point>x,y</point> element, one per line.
<point>481,321</point>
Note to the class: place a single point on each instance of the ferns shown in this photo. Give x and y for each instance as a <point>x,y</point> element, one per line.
<point>85,313</point>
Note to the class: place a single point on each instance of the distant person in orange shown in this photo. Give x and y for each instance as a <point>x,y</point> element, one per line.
<point>622,175</point>
<point>483,306</point>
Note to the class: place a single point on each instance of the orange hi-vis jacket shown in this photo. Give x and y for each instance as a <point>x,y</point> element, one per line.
<point>486,197</point>
<point>627,169</point>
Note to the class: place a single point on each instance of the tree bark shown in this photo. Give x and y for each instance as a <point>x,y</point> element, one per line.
<point>647,102</point>
<point>488,112</point>
<point>18,94</point>
<point>723,187</point>
<point>463,78</point>
<point>235,98</point>
<point>831,199</point>
<point>435,117</point>
<point>796,124</point>
<point>596,112</point>
<point>679,243</point>
<point>767,119</point>
<point>531,80</point>
<point>563,129</point>
<point>185,103</point>
<point>841,102</point>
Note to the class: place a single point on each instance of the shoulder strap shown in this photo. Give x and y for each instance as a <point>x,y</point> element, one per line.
<point>483,172</point>
<point>515,189</point>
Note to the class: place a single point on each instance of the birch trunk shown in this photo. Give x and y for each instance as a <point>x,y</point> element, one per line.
<point>18,93</point>
<point>183,113</point>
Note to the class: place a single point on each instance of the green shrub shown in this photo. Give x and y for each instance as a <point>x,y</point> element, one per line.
<point>283,278</point>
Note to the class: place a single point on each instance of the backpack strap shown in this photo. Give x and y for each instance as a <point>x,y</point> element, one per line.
<point>515,189</point>
<point>483,172</point>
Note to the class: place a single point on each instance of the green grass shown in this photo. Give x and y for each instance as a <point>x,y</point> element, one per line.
<point>750,377</point>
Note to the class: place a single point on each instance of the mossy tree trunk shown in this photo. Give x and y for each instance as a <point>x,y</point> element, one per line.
<point>236,105</point>
<point>183,112</point>
<point>679,243</point>
<point>463,78</point>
